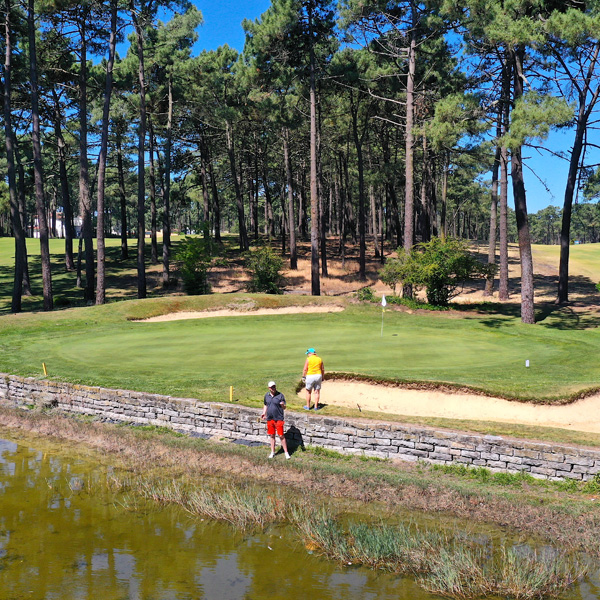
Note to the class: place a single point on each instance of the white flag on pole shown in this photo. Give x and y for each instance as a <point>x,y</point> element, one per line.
<point>383,301</point>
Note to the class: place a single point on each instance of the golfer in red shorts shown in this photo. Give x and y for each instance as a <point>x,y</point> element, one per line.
<point>273,412</point>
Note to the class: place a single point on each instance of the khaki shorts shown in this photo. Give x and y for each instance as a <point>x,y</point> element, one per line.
<point>313,382</point>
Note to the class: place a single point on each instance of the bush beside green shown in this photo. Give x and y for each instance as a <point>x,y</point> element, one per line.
<point>366,294</point>
<point>264,267</point>
<point>193,256</point>
<point>439,266</point>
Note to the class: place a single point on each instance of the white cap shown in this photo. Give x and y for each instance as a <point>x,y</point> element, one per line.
<point>271,384</point>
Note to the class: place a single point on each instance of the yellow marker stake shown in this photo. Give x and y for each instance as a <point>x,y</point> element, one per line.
<point>230,393</point>
<point>44,367</point>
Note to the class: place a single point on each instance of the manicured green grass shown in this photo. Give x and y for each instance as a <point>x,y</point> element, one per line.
<point>120,274</point>
<point>202,358</point>
<point>584,259</point>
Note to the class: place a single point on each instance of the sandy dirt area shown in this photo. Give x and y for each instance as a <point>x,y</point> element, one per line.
<point>285,310</point>
<point>583,415</point>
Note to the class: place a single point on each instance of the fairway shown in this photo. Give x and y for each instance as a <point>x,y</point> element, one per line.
<point>202,358</point>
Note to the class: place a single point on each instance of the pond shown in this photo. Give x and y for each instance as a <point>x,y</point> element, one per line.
<point>64,534</point>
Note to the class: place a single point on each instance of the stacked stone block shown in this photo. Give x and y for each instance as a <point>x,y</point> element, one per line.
<point>351,436</point>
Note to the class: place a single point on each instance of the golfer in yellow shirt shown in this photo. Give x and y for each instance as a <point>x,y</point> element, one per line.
<point>314,372</point>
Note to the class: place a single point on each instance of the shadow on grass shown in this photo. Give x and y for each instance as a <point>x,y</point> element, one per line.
<point>121,276</point>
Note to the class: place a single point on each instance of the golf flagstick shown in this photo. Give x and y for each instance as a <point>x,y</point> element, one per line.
<point>383,305</point>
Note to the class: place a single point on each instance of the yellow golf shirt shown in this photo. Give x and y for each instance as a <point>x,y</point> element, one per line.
<point>315,365</point>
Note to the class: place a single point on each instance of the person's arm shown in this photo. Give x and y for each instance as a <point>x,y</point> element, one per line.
<point>322,370</point>
<point>282,401</point>
<point>264,412</point>
<point>305,368</point>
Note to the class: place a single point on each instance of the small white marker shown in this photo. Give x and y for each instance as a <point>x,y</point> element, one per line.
<point>527,363</point>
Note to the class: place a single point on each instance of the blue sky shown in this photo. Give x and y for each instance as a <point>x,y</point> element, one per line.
<point>222,21</point>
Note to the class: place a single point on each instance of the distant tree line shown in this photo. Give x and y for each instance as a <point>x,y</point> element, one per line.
<point>375,122</point>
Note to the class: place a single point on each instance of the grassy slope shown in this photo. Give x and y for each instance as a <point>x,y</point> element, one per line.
<point>584,259</point>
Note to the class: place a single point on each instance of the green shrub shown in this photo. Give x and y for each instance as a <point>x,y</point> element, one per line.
<point>366,294</point>
<point>413,304</point>
<point>439,266</point>
<point>264,267</point>
<point>393,271</point>
<point>193,256</point>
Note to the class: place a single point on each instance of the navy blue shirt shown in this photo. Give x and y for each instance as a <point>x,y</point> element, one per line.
<point>274,408</point>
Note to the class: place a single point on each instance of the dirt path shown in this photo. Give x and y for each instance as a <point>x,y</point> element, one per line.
<point>583,415</point>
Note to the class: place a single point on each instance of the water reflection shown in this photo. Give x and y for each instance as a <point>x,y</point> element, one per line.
<point>64,535</point>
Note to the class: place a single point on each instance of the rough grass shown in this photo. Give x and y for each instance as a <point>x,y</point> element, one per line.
<point>244,506</point>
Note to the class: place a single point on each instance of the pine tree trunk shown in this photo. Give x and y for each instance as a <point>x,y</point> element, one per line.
<point>269,224</point>
<point>141,191</point>
<point>489,283</point>
<point>409,202</point>
<point>166,220</point>
<point>15,217</point>
<point>205,196</point>
<point>314,198</point>
<point>527,288</point>
<point>216,205</point>
<point>580,132</point>
<point>37,163</point>
<point>394,212</point>
<point>153,214</point>
<point>244,243</point>
<point>61,156</point>
<point>362,242</point>
<point>85,204</point>
<point>291,219</point>
<point>112,44</point>
<point>122,198</point>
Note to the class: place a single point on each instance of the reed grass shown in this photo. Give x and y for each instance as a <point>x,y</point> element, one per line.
<point>535,575</point>
<point>444,564</point>
<point>243,507</point>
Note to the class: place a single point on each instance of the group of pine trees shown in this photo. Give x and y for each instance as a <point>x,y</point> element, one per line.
<point>374,121</point>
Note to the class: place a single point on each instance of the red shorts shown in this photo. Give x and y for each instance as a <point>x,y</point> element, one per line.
<point>273,426</point>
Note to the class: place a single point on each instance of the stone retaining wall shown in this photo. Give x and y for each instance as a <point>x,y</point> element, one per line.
<point>243,424</point>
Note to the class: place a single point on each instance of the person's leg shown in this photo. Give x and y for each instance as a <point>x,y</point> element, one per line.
<point>282,438</point>
<point>271,430</point>
<point>317,398</point>
<point>272,441</point>
<point>308,397</point>
<point>284,446</point>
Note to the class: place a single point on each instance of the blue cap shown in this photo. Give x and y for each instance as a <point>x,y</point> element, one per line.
<point>311,351</point>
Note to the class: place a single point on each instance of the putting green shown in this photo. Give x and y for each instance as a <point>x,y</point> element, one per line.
<point>202,358</point>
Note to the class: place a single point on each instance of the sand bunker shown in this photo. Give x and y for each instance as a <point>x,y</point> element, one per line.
<point>205,314</point>
<point>583,415</point>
